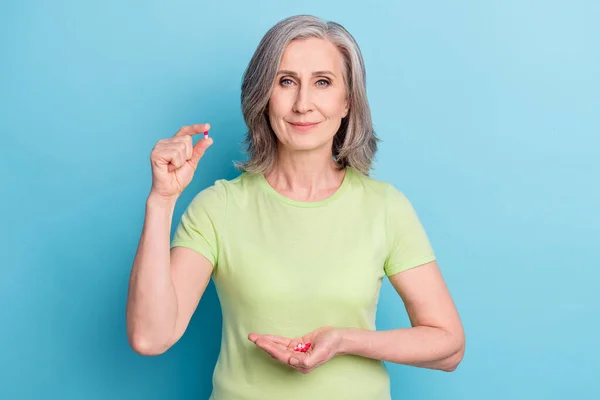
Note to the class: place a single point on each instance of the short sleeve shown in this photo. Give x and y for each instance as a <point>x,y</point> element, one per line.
<point>201,224</point>
<point>408,243</point>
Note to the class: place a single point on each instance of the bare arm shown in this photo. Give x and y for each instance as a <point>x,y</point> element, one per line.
<point>436,339</point>
<point>165,286</point>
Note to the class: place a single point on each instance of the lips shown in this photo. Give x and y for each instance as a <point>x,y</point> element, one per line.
<point>304,126</point>
<point>303,123</point>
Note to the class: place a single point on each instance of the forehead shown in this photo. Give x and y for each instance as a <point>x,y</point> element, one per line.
<point>311,54</point>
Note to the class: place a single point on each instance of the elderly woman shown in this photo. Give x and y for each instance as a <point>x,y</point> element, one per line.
<point>298,243</point>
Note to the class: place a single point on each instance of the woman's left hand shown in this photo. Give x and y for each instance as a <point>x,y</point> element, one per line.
<point>324,342</point>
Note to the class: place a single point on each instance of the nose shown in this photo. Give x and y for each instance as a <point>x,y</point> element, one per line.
<point>303,102</point>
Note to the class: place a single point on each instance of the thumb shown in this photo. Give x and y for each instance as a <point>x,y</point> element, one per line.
<point>199,149</point>
<point>311,358</point>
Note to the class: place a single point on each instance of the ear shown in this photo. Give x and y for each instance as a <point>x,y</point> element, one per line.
<point>346,109</point>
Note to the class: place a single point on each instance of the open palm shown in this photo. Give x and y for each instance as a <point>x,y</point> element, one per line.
<point>324,345</point>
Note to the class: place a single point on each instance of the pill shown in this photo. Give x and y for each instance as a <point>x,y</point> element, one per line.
<point>206,135</point>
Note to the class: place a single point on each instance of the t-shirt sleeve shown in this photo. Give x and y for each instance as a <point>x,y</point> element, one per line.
<point>408,243</point>
<point>201,224</point>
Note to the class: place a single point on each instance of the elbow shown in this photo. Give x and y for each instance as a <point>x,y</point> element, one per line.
<point>452,362</point>
<point>145,347</point>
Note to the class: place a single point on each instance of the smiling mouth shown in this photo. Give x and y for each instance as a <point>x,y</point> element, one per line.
<point>304,126</point>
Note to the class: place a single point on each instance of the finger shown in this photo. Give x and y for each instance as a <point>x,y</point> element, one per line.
<point>176,159</point>
<point>185,144</point>
<point>278,339</point>
<point>309,360</point>
<point>182,145</point>
<point>269,345</point>
<point>199,149</point>
<point>189,148</point>
<point>276,350</point>
<point>192,129</point>
<point>299,364</point>
<point>167,155</point>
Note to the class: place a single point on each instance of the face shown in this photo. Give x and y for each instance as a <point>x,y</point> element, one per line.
<point>309,89</point>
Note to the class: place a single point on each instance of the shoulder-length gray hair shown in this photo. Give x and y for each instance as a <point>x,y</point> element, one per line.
<point>354,144</point>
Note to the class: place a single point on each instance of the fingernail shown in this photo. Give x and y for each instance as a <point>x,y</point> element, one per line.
<point>294,361</point>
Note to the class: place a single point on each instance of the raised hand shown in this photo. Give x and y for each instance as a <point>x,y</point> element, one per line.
<point>174,160</point>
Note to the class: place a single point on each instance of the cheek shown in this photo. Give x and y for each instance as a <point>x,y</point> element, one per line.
<point>334,106</point>
<point>278,104</point>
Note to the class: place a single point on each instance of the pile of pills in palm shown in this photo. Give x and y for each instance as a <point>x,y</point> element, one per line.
<point>302,347</point>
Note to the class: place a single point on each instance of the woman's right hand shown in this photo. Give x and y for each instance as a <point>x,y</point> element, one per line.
<point>175,159</point>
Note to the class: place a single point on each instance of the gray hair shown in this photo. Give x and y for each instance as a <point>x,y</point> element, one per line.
<point>354,144</point>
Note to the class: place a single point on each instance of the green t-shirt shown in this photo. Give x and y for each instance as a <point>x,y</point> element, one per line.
<point>287,267</point>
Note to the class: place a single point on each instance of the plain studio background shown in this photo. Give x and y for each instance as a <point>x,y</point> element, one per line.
<point>489,116</point>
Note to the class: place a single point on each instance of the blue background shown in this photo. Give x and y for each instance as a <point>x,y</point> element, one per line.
<point>489,114</point>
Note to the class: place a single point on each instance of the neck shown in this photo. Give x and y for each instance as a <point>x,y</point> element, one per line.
<point>305,175</point>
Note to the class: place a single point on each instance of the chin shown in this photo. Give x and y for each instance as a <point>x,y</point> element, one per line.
<point>306,143</point>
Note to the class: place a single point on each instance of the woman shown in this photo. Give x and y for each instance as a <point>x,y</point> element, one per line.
<point>299,243</point>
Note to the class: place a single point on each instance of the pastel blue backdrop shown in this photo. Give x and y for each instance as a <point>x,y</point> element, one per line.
<point>489,116</point>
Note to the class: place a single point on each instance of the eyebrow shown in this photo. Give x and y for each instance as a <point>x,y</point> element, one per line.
<point>295,74</point>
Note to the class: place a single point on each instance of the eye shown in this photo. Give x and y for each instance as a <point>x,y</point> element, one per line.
<point>286,82</point>
<point>325,81</point>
